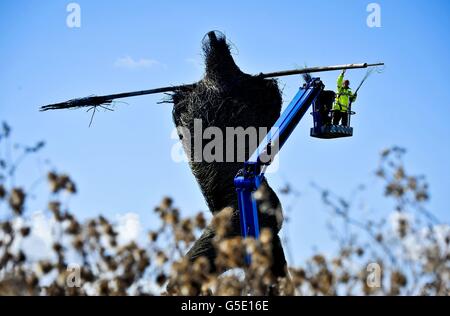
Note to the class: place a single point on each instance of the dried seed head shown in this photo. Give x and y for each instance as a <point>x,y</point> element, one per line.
<point>17,200</point>
<point>222,222</point>
<point>44,267</point>
<point>161,279</point>
<point>6,227</point>
<point>161,258</point>
<point>2,192</point>
<point>25,231</point>
<point>166,203</point>
<point>201,265</point>
<point>153,236</point>
<point>319,259</point>
<point>200,221</point>
<point>266,236</point>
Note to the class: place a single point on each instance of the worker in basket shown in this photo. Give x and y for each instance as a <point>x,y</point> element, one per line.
<point>344,98</point>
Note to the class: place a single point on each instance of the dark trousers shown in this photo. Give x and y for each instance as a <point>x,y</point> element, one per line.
<point>338,116</point>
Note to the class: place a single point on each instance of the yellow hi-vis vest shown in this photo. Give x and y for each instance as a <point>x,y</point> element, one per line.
<point>343,96</point>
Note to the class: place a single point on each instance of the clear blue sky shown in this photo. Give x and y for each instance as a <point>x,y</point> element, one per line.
<point>123,163</point>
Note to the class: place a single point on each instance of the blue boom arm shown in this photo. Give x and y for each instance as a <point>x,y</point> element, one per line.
<point>249,178</point>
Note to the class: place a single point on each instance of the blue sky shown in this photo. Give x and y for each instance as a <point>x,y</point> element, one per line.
<point>123,162</point>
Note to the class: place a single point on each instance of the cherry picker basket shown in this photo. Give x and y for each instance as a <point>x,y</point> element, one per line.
<point>323,127</point>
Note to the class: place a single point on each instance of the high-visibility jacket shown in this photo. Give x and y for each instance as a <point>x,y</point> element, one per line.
<point>343,96</point>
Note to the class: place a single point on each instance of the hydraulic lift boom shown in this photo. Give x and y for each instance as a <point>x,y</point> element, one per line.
<point>249,178</point>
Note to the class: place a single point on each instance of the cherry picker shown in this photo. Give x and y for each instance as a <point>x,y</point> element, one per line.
<point>249,178</point>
